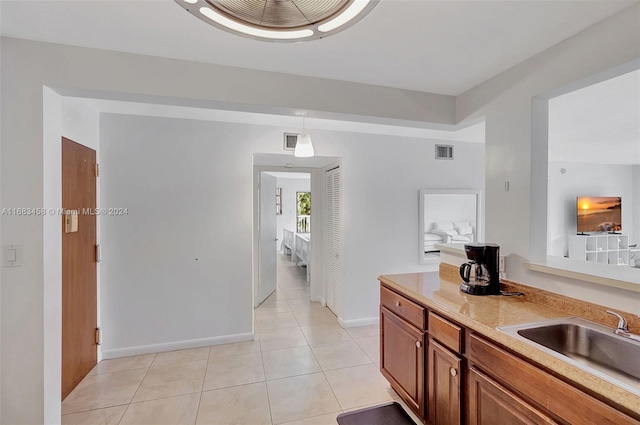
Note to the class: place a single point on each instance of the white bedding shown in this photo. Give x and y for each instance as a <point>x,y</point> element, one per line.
<point>303,251</point>
<point>288,241</point>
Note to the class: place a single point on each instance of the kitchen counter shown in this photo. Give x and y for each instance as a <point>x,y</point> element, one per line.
<point>484,314</point>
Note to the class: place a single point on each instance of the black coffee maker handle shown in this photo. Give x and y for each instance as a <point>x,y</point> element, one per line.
<point>465,270</point>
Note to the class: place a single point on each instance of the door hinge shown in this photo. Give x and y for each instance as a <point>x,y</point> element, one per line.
<point>98,336</point>
<point>98,253</point>
<point>97,170</point>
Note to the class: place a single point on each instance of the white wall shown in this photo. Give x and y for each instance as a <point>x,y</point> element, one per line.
<point>287,220</point>
<point>1,253</point>
<point>177,267</point>
<point>580,179</point>
<point>382,177</point>
<point>26,67</point>
<point>151,277</point>
<point>506,103</point>
<point>635,178</point>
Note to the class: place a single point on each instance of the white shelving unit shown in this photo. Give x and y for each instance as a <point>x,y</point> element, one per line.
<point>604,249</point>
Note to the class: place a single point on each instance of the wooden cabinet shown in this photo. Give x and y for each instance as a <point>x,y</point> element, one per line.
<point>490,403</point>
<point>450,375</point>
<point>552,395</point>
<point>444,389</point>
<point>410,311</point>
<point>402,356</point>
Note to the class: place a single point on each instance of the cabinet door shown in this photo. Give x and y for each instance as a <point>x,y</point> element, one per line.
<point>490,404</point>
<point>402,358</point>
<point>443,377</point>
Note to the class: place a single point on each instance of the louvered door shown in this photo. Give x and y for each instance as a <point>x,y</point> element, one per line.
<point>334,261</point>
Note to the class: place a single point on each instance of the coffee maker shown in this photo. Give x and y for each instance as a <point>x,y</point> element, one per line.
<point>483,262</point>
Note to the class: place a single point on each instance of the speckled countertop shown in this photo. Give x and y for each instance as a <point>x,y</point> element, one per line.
<point>484,314</point>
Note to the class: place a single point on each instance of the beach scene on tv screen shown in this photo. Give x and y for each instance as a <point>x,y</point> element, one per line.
<point>599,214</point>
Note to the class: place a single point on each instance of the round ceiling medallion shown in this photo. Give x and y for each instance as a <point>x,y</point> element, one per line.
<point>280,20</point>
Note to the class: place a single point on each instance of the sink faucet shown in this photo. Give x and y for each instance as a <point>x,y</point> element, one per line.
<point>622,328</point>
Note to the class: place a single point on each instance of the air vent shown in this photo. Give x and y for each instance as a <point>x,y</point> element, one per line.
<point>290,140</point>
<point>444,152</point>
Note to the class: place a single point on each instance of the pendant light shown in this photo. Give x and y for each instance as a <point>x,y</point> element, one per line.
<point>304,148</point>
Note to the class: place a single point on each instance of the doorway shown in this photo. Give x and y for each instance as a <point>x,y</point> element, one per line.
<point>79,267</point>
<point>284,217</point>
<point>315,284</point>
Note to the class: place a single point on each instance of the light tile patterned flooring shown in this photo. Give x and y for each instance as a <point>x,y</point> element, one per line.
<point>302,369</point>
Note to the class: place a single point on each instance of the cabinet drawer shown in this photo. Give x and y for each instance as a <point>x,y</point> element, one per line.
<point>410,311</point>
<point>549,392</point>
<point>445,332</point>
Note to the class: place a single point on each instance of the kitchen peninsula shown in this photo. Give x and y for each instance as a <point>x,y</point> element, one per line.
<point>442,353</point>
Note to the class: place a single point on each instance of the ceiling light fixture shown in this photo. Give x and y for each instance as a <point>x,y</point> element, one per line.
<point>280,20</point>
<point>304,148</point>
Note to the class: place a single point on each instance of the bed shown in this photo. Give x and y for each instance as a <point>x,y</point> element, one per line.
<point>288,241</point>
<point>302,251</point>
<point>448,232</point>
<point>430,240</point>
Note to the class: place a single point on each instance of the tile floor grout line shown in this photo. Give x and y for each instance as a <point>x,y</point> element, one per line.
<point>136,391</point>
<point>123,414</point>
<point>195,421</point>
<point>333,391</point>
<point>97,408</point>
<point>206,369</point>
<point>266,388</point>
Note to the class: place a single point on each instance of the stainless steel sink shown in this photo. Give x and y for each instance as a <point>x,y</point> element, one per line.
<point>588,346</point>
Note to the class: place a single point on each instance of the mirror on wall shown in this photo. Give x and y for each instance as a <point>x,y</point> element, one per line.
<point>448,217</point>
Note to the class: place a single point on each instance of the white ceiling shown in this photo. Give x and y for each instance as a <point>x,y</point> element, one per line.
<point>598,124</point>
<point>442,47</point>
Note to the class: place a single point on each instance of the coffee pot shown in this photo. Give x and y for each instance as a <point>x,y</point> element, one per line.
<point>480,274</point>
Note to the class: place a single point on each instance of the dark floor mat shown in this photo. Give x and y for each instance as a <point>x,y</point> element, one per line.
<point>385,414</point>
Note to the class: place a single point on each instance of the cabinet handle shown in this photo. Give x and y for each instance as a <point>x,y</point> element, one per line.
<point>453,371</point>
<point>397,303</point>
<point>418,344</point>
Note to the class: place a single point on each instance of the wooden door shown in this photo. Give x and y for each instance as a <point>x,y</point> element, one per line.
<point>79,279</point>
<point>402,358</point>
<point>443,378</point>
<point>267,272</point>
<point>490,403</point>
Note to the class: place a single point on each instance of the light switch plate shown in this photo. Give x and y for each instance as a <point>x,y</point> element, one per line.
<point>12,256</point>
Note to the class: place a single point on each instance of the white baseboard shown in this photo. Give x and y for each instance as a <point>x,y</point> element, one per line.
<point>358,322</point>
<point>177,345</point>
<point>321,300</point>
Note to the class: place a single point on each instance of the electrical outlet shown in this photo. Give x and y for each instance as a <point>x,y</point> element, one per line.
<point>502,264</point>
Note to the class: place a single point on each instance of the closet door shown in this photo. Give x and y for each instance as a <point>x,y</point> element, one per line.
<point>334,261</point>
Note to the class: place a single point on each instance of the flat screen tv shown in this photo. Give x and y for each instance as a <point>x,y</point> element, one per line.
<point>599,214</point>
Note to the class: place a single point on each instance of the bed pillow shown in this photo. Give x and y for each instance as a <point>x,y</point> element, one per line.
<point>457,224</point>
<point>445,225</point>
<point>465,230</point>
